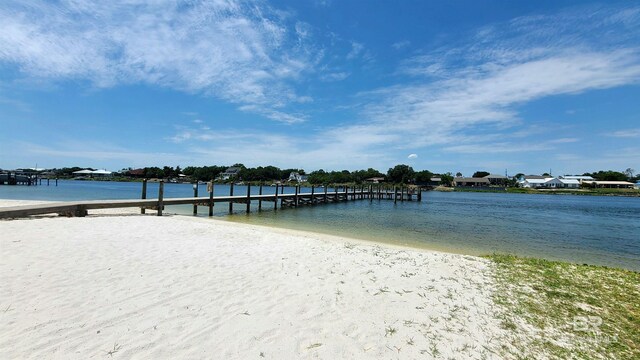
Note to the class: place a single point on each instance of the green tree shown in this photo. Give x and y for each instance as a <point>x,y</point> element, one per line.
<point>480,174</point>
<point>401,174</point>
<point>446,179</point>
<point>423,177</point>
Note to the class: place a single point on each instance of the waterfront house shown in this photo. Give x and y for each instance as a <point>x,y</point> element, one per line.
<point>579,178</point>
<point>464,181</point>
<point>496,179</point>
<point>541,182</point>
<point>231,172</point>
<point>374,180</point>
<point>610,184</point>
<point>570,183</point>
<point>295,176</point>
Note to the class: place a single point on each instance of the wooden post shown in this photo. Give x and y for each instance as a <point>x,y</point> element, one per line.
<point>395,194</point>
<point>419,194</point>
<point>346,193</point>
<point>295,202</point>
<point>160,197</point>
<point>248,198</point>
<point>313,187</point>
<point>275,200</point>
<point>195,195</point>
<point>335,188</point>
<point>144,193</point>
<point>401,193</point>
<point>370,193</point>
<point>325,193</point>
<point>355,196</point>
<point>210,189</point>
<point>56,181</point>
<point>48,181</point>
<point>260,200</point>
<point>231,201</point>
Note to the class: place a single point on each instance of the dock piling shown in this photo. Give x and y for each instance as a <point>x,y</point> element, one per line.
<point>144,194</point>
<point>248,198</point>
<point>231,202</point>
<point>160,197</point>
<point>195,195</point>
<point>210,189</point>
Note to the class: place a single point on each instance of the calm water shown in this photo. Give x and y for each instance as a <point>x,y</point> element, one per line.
<point>583,229</point>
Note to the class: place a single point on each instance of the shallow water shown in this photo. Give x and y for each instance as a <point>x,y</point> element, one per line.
<point>601,230</point>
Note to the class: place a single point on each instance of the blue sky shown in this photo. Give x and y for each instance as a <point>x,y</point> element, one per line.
<point>525,86</point>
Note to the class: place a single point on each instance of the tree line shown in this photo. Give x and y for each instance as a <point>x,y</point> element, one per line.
<point>399,174</point>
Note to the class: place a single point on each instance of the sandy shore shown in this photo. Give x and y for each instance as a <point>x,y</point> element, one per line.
<point>181,287</point>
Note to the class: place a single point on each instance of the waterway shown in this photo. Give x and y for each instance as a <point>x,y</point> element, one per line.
<point>602,230</point>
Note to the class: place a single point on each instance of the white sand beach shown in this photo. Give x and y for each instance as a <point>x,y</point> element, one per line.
<point>133,286</point>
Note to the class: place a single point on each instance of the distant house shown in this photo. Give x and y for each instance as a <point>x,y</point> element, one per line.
<point>230,173</point>
<point>637,186</point>
<point>579,178</point>
<point>374,180</point>
<point>136,172</point>
<point>570,183</point>
<point>295,176</point>
<point>548,182</point>
<point>496,179</point>
<point>435,181</point>
<point>93,173</point>
<point>464,181</point>
<point>610,184</point>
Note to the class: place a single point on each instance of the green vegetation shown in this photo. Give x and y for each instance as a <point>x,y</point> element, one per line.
<point>575,311</point>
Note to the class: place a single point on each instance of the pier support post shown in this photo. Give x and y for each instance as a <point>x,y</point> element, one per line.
<point>401,193</point>
<point>144,194</point>
<point>419,194</point>
<point>210,189</point>
<point>248,198</point>
<point>335,189</point>
<point>275,201</point>
<point>160,197</point>
<point>325,193</point>
<point>195,195</point>
<point>346,193</point>
<point>231,201</point>
<point>56,181</point>
<point>313,188</point>
<point>395,194</point>
<point>295,202</point>
<point>260,200</point>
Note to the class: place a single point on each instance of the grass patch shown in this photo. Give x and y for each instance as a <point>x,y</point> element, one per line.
<point>573,311</point>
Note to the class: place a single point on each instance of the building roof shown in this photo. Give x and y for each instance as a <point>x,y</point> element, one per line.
<point>494,176</point>
<point>528,177</point>
<point>83,172</point>
<point>569,181</point>
<point>536,180</point>
<point>101,172</point>
<point>577,177</point>
<point>471,179</point>
<point>609,182</point>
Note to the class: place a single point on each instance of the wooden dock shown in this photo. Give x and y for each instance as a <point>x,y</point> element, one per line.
<point>279,198</point>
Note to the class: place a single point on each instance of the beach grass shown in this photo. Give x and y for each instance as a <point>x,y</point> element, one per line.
<point>572,311</point>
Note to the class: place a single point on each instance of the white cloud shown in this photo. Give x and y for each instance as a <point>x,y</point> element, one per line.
<point>356,50</point>
<point>401,44</point>
<point>236,51</point>
<point>628,133</point>
<point>412,156</point>
<point>454,91</point>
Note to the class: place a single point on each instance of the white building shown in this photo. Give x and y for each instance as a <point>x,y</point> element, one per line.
<point>295,176</point>
<point>540,182</point>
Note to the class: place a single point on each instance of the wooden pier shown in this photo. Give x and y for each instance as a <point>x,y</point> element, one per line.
<point>278,199</point>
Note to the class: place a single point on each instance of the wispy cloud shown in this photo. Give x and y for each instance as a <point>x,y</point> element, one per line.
<point>239,51</point>
<point>448,91</point>
<point>628,133</point>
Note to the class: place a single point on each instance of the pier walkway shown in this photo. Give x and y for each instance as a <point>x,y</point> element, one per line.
<point>291,200</point>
